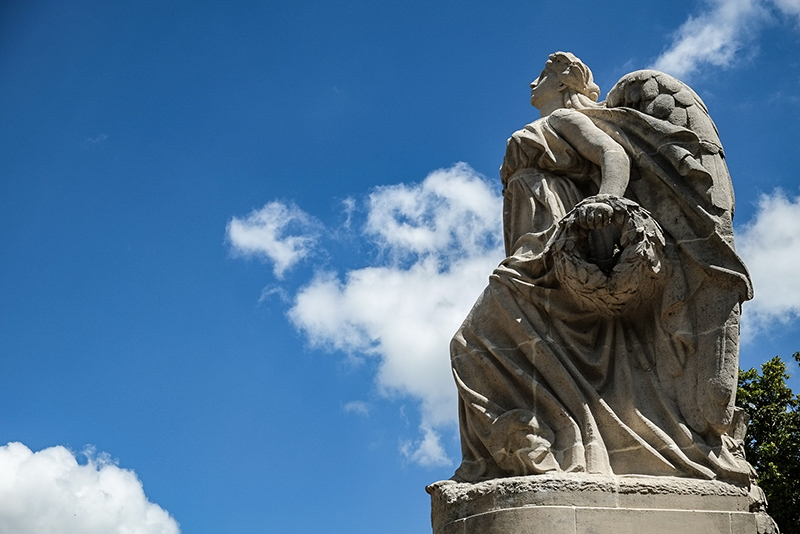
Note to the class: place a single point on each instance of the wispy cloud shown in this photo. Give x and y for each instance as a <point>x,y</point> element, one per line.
<point>357,407</point>
<point>49,491</point>
<point>279,233</point>
<point>770,246</point>
<point>427,451</point>
<point>349,205</point>
<point>721,35</point>
<point>91,141</point>
<point>271,290</point>
<point>715,37</point>
<point>789,7</point>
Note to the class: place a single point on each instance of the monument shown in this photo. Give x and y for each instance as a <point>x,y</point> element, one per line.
<point>597,372</point>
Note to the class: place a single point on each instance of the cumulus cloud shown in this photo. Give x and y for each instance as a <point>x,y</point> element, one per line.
<point>405,312</point>
<point>715,37</point>
<point>403,316</point>
<point>49,491</point>
<point>280,233</point>
<point>428,451</point>
<point>437,242</point>
<point>770,246</point>
<point>440,240</point>
<point>452,213</point>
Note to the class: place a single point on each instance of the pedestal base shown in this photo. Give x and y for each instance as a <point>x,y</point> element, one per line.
<point>595,504</point>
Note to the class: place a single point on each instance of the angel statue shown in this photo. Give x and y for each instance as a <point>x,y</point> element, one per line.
<point>607,340</point>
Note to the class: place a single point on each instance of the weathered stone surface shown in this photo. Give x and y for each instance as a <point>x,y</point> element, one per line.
<point>580,503</point>
<point>606,343</point>
<point>607,340</point>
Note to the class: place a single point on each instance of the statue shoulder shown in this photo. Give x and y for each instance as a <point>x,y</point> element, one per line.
<point>532,128</point>
<point>563,114</point>
<point>568,117</point>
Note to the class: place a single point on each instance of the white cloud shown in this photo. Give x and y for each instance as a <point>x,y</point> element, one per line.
<point>452,212</point>
<point>428,451</point>
<point>438,242</point>
<point>721,35</point>
<point>715,37</point>
<point>357,407</point>
<point>270,290</point>
<point>770,246</point>
<point>50,492</point>
<point>789,7</point>
<point>349,205</point>
<point>265,233</point>
<point>443,240</point>
<point>404,317</point>
<point>95,140</point>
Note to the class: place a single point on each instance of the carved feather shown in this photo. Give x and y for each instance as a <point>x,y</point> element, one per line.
<point>667,98</point>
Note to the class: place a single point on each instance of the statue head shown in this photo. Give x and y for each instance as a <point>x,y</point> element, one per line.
<point>566,74</point>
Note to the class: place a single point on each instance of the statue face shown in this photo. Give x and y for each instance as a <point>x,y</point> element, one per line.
<point>545,88</point>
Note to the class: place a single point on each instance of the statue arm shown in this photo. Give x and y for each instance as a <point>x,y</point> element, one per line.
<point>597,146</point>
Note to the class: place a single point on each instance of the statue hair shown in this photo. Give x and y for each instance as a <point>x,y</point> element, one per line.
<point>581,92</point>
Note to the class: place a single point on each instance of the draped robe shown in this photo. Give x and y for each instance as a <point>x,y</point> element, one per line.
<point>547,385</point>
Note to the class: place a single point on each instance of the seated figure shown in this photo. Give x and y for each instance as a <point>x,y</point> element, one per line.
<point>607,340</point>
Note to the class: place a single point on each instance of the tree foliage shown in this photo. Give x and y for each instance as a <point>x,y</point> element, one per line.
<point>772,444</point>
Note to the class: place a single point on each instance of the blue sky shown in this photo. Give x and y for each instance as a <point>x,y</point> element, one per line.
<point>236,238</point>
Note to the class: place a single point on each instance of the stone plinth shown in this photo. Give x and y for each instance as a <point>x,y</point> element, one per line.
<point>594,504</point>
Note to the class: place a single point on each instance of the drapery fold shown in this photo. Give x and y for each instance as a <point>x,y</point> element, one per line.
<point>547,384</point>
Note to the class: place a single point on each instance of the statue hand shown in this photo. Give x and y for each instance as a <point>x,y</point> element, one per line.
<point>595,215</point>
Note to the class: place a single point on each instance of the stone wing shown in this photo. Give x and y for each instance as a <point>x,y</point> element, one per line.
<point>667,98</point>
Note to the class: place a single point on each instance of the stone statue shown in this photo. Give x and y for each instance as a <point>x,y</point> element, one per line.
<point>607,341</point>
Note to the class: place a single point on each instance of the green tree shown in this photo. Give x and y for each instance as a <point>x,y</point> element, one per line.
<point>772,444</point>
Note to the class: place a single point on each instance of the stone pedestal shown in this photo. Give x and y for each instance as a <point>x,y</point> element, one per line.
<point>594,504</point>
